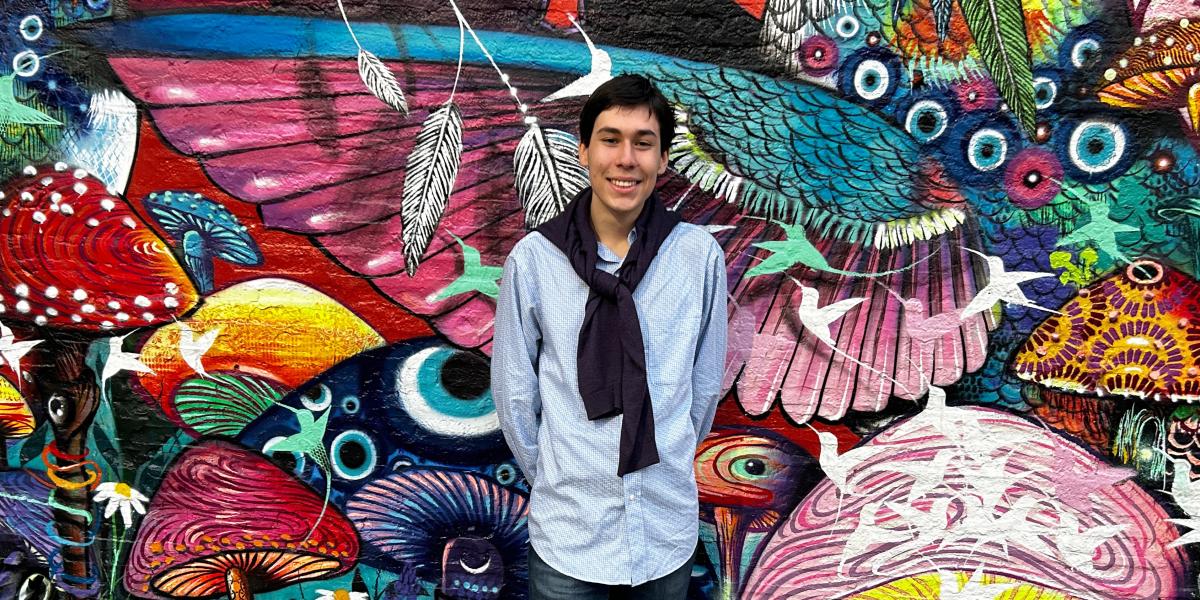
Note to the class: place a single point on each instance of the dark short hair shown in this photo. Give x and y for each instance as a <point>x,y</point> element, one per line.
<point>628,91</point>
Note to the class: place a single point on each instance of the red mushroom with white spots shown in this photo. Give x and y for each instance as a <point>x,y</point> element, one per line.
<point>77,265</point>
<point>228,521</point>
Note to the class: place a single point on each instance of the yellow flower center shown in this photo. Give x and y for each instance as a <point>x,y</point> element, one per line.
<point>123,490</point>
<point>341,595</point>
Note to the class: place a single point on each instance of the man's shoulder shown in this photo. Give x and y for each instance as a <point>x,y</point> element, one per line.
<point>531,245</point>
<point>694,240</point>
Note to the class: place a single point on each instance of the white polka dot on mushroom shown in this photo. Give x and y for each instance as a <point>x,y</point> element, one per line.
<point>51,292</point>
<point>21,290</point>
<point>79,187</point>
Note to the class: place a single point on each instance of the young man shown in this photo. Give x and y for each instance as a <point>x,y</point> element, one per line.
<point>607,362</point>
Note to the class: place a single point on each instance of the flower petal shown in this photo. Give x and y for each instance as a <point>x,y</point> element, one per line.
<point>111,508</point>
<point>125,508</point>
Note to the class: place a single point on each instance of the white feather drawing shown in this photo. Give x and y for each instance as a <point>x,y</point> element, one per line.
<point>429,180</point>
<point>380,80</point>
<point>548,173</point>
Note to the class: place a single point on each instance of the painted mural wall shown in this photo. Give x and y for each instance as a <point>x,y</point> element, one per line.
<point>249,251</point>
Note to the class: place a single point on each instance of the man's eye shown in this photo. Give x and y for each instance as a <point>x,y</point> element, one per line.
<point>643,144</point>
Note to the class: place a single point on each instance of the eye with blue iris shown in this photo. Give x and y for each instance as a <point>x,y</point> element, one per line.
<point>353,455</point>
<point>506,474</point>
<point>926,120</point>
<point>292,462</point>
<point>1044,92</point>
<point>987,149</point>
<point>1096,146</point>
<point>447,391</point>
<point>31,28</point>
<point>847,27</point>
<point>871,79</point>
<point>1085,52</point>
<point>316,398</point>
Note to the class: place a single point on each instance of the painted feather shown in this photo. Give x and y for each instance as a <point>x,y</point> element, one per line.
<point>429,179</point>
<point>998,27</point>
<point>548,173</point>
<point>381,82</point>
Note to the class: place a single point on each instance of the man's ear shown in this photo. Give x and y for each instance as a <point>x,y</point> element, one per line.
<point>583,160</point>
<point>662,167</point>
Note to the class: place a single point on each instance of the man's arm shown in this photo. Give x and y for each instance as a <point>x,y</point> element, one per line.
<point>709,367</point>
<point>515,345</point>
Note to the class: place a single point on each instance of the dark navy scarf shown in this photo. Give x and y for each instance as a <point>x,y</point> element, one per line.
<point>612,368</point>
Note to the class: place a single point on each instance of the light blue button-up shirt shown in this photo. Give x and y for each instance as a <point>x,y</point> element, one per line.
<point>584,520</point>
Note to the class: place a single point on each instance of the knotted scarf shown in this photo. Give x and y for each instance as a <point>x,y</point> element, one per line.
<point>612,368</point>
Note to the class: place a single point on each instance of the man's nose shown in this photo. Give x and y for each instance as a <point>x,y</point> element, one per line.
<point>625,155</point>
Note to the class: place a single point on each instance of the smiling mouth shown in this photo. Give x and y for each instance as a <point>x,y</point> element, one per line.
<point>624,184</point>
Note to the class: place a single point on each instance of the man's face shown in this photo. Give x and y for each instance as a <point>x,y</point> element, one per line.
<point>624,158</point>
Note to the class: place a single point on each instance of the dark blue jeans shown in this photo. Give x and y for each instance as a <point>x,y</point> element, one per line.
<point>546,583</point>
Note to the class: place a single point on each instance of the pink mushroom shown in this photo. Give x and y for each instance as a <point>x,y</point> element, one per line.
<point>228,521</point>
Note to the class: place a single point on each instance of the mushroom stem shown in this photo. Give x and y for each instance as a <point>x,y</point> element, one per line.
<point>730,537</point>
<point>198,260</point>
<point>238,585</point>
<point>71,399</point>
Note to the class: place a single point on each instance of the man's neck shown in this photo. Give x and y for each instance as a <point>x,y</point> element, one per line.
<point>612,229</point>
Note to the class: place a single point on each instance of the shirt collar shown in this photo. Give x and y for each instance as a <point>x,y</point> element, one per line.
<point>608,255</point>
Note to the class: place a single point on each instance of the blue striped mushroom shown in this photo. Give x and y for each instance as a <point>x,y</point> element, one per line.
<point>461,531</point>
<point>205,229</point>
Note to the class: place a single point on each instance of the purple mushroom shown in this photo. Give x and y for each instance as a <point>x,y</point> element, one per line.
<point>461,529</point>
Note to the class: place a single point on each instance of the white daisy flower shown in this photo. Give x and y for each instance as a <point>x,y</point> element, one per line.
<point>341,595</point>
<point>120,496</point>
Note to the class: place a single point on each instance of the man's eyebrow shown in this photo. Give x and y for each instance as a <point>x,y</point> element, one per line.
<point>638,133</point>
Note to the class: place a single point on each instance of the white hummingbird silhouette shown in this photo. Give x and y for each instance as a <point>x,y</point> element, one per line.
<point>192,348</point>
<point>1002,286</point>
<point>11,351</point>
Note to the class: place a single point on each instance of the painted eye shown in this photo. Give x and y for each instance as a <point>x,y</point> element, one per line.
<point>446,391</point>
<point>1085,52</point>
<point>926,120</point>
<point>818,56</point>
<point>847,27</point>
<point>870,75</point>
<point>35,587</point>
<point>26,63</point>
<point>871,79</point>
<point>750,468</point>
<point>350,405</point>
<point>353,455</point>
<point>1044,92</point>
<point>292,462</point>
<point>1096,146</point>
<point>506,474</point>
<point>31,28</point>
<point>987,149</point>
<point>316,398</point>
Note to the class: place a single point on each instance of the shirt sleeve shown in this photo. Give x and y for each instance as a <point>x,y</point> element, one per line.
<point>515,345</point>
<point>709,369</point>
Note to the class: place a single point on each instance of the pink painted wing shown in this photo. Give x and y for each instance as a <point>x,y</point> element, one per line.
<point>321,156</point>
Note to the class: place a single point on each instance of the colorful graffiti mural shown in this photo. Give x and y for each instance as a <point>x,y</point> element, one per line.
<point>250,251</point>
